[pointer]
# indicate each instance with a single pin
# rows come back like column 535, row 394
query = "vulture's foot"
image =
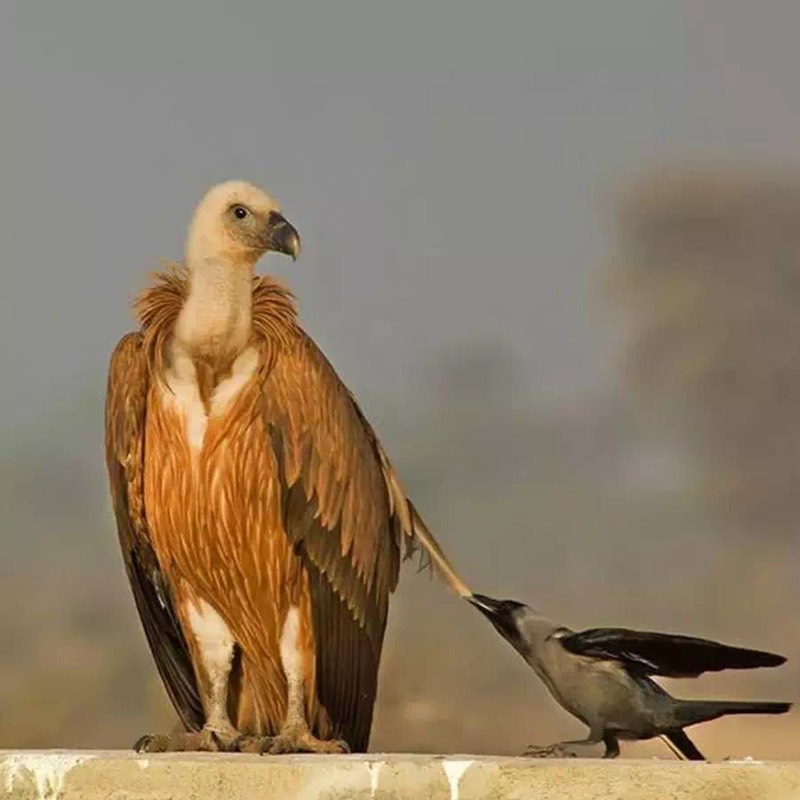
column 557, row 750
column 291, row 740
column 206, row 740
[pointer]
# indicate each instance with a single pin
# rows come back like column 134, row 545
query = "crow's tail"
column 690, row 712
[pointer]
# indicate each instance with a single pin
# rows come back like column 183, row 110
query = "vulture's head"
column 236, row 223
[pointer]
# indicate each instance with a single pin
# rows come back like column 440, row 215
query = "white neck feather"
column 217, row 315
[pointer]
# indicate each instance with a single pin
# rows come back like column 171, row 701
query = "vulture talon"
column 308, row 744
column 204, row 741
column 255, row 745
column 296, row 740
column 147, row 744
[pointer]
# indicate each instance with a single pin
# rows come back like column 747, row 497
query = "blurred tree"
column 709, row 270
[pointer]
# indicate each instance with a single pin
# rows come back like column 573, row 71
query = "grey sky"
column 442, row 161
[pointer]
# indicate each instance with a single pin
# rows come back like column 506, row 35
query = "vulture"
column 261, row 523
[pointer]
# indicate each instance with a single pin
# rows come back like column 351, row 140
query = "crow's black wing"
column 667, row 654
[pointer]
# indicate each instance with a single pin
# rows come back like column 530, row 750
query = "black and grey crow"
column 603, row 677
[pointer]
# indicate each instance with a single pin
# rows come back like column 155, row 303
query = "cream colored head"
column 235, row 224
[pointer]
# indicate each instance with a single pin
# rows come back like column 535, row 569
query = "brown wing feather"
column 126, row 402
column 346, row 526
column 347, row 652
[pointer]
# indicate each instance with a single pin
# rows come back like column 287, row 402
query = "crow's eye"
column 240, row 212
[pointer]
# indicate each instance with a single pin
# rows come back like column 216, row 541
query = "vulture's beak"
column 283, row 236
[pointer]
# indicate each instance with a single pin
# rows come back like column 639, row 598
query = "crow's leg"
column 561, row 749
column 685, row 745
column 612, row 745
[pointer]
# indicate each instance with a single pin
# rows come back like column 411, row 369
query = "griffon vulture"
column 260, row 520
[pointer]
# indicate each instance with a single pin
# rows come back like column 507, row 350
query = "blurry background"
column 554, row 248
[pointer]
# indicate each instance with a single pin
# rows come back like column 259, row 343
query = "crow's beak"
column 500, row 613
column 487, row 605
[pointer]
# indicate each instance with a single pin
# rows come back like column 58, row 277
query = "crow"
column 603, row 677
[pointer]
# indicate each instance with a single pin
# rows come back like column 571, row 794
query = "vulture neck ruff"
column 271, row 325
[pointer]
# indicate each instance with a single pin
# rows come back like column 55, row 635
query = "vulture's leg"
column 214, row 649
column 295, row 735
column 562, row 749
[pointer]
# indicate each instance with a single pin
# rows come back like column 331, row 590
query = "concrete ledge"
column 119, row 775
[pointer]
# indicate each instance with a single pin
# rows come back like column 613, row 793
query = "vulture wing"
column 347, row 516
column 666, row 654
column 126, row 407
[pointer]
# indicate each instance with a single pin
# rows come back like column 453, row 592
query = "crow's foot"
column 548, row 751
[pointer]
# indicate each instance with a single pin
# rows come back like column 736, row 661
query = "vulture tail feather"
column 433, row 554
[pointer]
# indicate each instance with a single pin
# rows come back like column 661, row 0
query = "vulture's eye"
column 240, row 212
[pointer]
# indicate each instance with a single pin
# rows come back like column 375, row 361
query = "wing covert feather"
column 326, row 449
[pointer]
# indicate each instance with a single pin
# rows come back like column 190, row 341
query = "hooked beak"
column 283, row 236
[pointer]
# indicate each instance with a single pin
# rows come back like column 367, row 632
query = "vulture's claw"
column 194, row 741
column 291, row 741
